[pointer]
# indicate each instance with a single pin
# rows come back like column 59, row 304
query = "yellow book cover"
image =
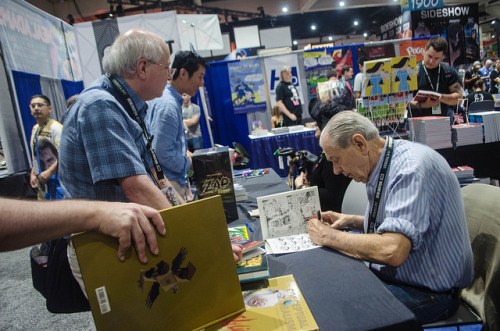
column 191, row 284
column 377, row 77
column 403, row 74
column 279, row 306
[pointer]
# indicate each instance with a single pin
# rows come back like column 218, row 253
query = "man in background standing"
column 359, row 78
column 347, row 73
column 485, row 73
column 472, row 75
column 191, row 116
column 46, row 132
column 288, row 99
column 495, row 78
column 165, row 119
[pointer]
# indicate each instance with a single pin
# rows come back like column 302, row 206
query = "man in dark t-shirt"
column 479, row 93
column 288, row 99
column 434, row 75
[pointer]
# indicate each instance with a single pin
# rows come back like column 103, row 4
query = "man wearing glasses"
column 166, row 122
column 46, row 132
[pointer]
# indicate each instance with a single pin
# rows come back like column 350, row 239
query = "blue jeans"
column 427, row 305
column 195, row 143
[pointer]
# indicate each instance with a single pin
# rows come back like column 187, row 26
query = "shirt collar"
column 174, row 93
column 373, row 179
column 139, row 103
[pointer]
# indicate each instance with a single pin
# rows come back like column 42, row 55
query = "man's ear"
column 141, row 67
column 359, row 142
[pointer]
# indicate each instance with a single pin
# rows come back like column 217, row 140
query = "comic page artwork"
column 284, row 218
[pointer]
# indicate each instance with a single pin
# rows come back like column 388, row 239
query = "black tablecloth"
column 342, row 293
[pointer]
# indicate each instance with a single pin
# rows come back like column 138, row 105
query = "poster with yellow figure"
column 377, row 77
column 403, row 74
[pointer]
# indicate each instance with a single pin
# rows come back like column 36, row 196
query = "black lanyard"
column 429, row 79
column 380, row 185
column 129, row 105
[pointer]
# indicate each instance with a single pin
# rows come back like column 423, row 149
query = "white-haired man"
column 414, row 233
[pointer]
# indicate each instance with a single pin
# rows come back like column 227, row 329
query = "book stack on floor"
column 434, row 131
column 491, row 124
column 467, row 134
column 278, row 305
column 465, row 175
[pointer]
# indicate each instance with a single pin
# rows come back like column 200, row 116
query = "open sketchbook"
column 284, row 217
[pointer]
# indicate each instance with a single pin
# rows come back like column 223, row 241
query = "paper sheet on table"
column 289, row 244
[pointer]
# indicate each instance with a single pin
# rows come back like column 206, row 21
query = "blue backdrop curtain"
column 71, row 88
column 227, row 127
column 26, row 85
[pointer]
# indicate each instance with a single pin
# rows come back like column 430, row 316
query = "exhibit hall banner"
column 413, row 47
column 376, row 52
column 273, row 67
column 458, row 25
column 247, row 86
column 36, row 42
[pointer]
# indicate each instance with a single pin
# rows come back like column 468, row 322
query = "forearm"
column 192, row 121
column 25, row 223
column 140, row 189
column 451, row 99
column 387, row 248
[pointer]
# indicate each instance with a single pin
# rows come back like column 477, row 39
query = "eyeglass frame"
column 171, row 71
column 39, row 104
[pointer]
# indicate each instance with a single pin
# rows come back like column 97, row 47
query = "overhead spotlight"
column 493, row 36
column 341, row 3
column 330, row 38
column 356, row 22
column 284, row 9
column 111, row 9
column 365, row 34
column 295, row 42
column 313, row 27
column 493, row 22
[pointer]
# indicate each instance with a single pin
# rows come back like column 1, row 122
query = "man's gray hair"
column 121, row 58
column 346, row 124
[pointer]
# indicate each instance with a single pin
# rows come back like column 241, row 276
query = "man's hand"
column 318, row 231
column 301, row 180
column 44, row 176
column 33, row 180
column 292, row 117
column 429, row 103
column 130, row 222
column 237, row 252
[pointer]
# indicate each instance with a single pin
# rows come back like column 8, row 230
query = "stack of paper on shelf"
column 491, row 124
column 465, row 175
column 277, row 306
column 191, row 284
column 434, row 131
column 467, row 134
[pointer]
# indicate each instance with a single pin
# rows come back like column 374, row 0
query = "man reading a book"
column 414, row 233
column 437, row 76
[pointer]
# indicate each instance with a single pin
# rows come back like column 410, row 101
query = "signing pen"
column 248, row 226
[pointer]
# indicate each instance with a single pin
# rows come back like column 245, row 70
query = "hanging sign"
column 414, row 5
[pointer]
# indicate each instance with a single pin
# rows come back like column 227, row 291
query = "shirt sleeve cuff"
column 403, row 227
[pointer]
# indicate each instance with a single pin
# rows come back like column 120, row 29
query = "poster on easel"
column 247, row 86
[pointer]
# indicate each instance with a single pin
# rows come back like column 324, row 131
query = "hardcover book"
column 403, row 74
column 191, row 284
column 377, row 77
column 423, row 95
column 278, row 306
column 213, row 175
column 253, row 269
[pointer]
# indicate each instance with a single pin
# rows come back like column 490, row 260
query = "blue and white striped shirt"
column 422, row 200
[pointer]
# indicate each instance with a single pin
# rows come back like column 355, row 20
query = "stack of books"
column 467, row 134
column 253, row 264
column 434, row 131
column 465, row 175
column 491, row 124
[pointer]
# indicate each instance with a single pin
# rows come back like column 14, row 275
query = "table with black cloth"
column 261, row 149
column 341, row 292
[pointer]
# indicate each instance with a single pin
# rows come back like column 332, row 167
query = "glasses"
column 39, row 104
column 171, row 71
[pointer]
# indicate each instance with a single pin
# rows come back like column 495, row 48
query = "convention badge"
column 436, row 110
column 295, row 101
